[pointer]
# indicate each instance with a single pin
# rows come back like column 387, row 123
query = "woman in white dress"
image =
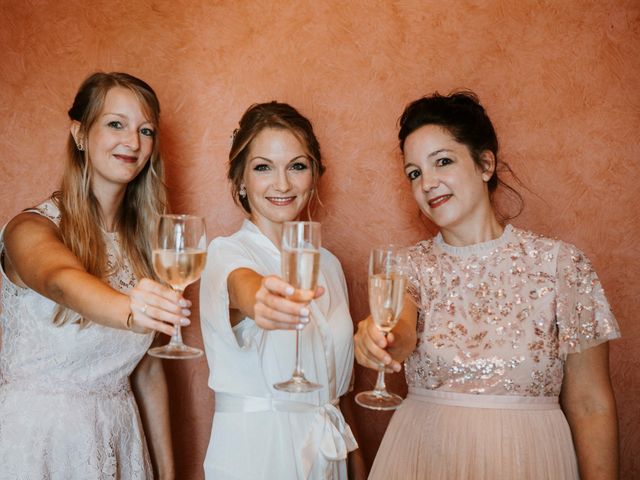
column 248, row 323
column 507, row 321
column 78, row 314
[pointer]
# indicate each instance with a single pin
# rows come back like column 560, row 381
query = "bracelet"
column 129, row 322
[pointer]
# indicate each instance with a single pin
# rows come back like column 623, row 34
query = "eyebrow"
column 271, row 161
column 122, row 115
column 437, row 152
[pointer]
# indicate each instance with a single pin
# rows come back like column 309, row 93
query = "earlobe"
column 75, row 133
column 488, row 165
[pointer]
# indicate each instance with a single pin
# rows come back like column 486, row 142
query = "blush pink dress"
column 497, row 321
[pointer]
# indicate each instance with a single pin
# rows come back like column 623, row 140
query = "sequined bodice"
column 499, row 317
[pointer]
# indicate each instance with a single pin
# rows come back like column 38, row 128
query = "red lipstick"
column 439, row 200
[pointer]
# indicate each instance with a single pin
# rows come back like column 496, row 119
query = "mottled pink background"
column 561, row 80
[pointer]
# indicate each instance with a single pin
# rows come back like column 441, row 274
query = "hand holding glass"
column 179, row 255
column 300, row 265
column 387, row 282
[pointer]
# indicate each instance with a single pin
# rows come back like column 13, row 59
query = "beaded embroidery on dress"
column 66, row 406
column 497, row 320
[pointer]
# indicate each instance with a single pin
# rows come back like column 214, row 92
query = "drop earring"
column 243, row 192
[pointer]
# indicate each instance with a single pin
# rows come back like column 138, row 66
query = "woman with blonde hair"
column 79, row 306
column 248, row 318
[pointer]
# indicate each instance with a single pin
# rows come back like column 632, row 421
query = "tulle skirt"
column 449, row 436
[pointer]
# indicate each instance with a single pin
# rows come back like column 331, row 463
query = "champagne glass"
column 387, row 281
column 300, row 265
column 179, row 254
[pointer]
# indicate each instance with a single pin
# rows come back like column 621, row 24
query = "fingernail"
column 304, row 320
column 186, row 312
column 289, row 291
column 387, row 360
column 184, row 303
column 396, row 368
column 185, row 321
column 304, row 312
column 382, row 345
column 300, row 326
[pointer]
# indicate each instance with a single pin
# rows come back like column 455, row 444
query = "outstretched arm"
column 589, row 404
column 36, row 257
column 265, row 300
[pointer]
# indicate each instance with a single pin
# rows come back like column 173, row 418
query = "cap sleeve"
column 224, row 255
column 414, row 261
column 583, row 313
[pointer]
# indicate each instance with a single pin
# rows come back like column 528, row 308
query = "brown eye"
column 413, row 174
column 441, row 162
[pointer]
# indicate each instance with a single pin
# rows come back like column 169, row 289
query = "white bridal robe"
column 260, row 432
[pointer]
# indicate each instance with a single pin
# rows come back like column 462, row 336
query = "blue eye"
column 412, row 174
column 299, row 166
column 147, row 132
column 115, row 124
column 441, row 162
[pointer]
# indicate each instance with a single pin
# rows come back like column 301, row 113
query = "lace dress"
column 496, row 323
column 66, row 406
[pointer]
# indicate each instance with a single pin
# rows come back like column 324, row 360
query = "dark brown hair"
column 461, row 114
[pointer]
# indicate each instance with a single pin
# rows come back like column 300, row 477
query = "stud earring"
column 80, row 146
column 243, row 192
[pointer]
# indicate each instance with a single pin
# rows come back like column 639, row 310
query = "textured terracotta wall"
column 560, row 79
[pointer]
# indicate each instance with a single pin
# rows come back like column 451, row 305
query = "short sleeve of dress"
column 414, row 260
column 224, row 255
column 583, row 313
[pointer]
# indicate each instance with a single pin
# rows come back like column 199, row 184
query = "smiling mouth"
column 126, row 158
column 281, row 201
column 439, row 200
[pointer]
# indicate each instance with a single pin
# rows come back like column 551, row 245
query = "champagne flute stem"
column 381, row 387
column 298, row 373
column 176, row 338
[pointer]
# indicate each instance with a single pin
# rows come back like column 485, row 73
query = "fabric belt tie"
column 500, row 402
column 329, row 433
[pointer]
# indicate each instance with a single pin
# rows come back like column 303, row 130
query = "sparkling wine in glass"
column 179, row 255
column 300, row 265
column 387, row 283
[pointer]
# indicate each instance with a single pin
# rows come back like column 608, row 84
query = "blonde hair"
column 144, row 199
column 278, row 116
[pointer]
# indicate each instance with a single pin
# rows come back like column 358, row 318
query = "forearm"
column 404, row 341
column 589, row 404
column 88, row 296
column 242, row 285
column 150, row 388
column 595, row 436
column 405, row 335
